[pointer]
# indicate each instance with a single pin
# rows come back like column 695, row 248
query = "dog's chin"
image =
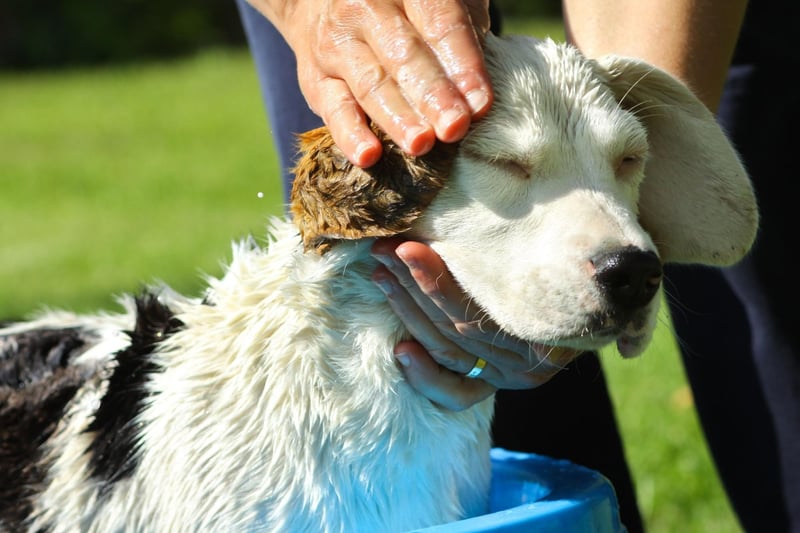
column 629, row 347
column 628, row 344
column 631, row 334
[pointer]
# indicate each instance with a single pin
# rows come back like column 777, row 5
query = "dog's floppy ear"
column 333, row 199
column 696, row 200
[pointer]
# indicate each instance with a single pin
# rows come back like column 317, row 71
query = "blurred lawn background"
column 117, row 176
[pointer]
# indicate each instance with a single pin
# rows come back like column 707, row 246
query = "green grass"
column 111, row 178
column 108, row 176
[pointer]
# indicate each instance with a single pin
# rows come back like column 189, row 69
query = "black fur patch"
column 36, row 383
column 32, row 356
column 114, row 448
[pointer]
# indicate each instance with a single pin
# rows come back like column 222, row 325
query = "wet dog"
column 273, row 400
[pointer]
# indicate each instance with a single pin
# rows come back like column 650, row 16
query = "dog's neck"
column 331, row 320
column 320, row 320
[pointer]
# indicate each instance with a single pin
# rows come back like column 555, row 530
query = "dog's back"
column 274, row 403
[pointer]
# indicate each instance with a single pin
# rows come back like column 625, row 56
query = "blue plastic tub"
column 536, row 494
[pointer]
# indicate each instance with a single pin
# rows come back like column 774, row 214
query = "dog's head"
column 556, row 212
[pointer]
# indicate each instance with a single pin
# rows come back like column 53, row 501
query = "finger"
column 427, row 324
column 385, row 250
column 422, row 80
column 419, row 325
column 331, row 99
column 557, row 357
column 439, row 385
column 450, row 28
column 345, row 93
column 439, row 287
column 377, row 92
column 452, row 390
column 368, row 72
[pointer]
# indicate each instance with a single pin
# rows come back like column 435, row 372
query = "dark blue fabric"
column 738, row 327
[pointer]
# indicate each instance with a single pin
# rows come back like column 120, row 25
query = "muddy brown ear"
column 696, row 200
column 333, row 199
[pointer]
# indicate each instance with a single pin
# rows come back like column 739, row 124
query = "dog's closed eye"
column 629, row 166
column 512, row 165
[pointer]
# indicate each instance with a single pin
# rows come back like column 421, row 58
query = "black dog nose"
column 628, row 276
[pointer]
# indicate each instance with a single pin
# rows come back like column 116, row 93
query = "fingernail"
column 404, row 359
column 410, row 261
column 417, row 141
column 386, row 286
column 451, row 123
column 363, row 157
column 477, row 100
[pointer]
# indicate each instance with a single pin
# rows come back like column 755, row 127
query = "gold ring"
column 480, row 364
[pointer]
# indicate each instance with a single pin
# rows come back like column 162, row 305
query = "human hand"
column 450, row 334
column 415, row 67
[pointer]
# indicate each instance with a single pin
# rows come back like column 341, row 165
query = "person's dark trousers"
column 738, row 327
column 569, row 418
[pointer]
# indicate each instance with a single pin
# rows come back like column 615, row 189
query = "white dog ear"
column 696, row 200
column 333, row 199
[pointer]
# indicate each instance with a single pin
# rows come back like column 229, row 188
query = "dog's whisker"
column 467, row 300
column 676, row 306
column 633, row 86
column 545, row 359
column 638, row 105
column 644, row 112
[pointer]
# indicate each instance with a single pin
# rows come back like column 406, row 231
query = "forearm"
column 691, row 39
